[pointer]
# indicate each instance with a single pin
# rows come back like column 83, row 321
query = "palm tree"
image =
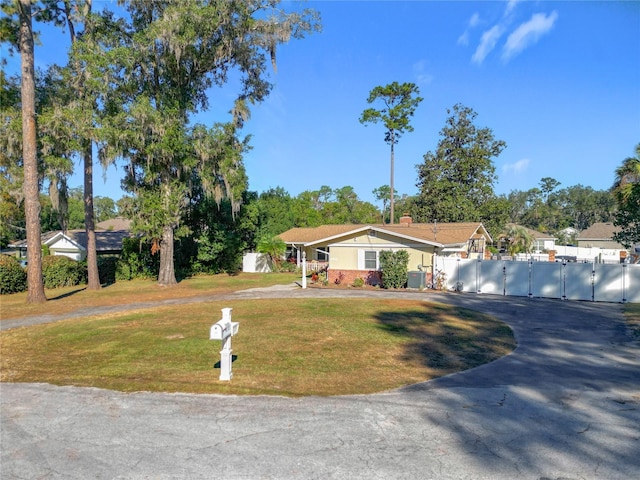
column 518, row 239
column 626, row 175
column 274, row 248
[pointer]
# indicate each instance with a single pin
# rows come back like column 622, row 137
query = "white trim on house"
column 55, row 239
column 373, row 246
column 409, row 237
column 339, row 235
column 458, row 249
column 367, row 228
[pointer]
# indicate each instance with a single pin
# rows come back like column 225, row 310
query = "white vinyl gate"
column 597, row 282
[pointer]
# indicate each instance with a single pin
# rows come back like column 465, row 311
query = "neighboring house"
column 541, row 241
column 599, row 235
column 73, row 243
column 352, row 251
column 115, row 224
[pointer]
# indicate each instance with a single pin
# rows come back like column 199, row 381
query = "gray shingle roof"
column 599, row 231
column 118, row 223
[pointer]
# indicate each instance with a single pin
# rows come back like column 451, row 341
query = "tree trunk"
column 93, row 280
column 30, row 160
column 391, row 180
column 166, row 276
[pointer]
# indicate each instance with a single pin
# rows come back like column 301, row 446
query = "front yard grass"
column 285, row 347
column 632, row 315
column 68, row 299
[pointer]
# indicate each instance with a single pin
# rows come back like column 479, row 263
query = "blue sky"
column 559, row 82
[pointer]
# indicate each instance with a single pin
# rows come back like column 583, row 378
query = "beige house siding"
column 350, row 257
column 347, row 244
column 347, row 257
column 601, row 243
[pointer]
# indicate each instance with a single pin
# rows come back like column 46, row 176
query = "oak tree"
column 456, row 181
column 168, row 56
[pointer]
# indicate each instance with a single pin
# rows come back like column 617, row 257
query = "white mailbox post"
column 223, row 330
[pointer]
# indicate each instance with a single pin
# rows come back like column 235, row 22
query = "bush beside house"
column 60, row 271
column 13, row 278
column 394, row 266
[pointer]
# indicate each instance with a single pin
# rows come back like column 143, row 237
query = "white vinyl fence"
column 568, row 281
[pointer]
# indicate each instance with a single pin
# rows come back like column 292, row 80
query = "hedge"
column 60, row 271
column 13, row 278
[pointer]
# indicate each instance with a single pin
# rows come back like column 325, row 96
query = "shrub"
column 13, row 278
column 358, row 282
column 107, row 269
column 60, row 271
column 441, row 280
column 137, row 261
column 395, row 268
column 286, row 267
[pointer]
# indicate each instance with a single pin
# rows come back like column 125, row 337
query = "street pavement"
column 565, row 405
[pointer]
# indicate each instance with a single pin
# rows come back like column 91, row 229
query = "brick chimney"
column 406, row 219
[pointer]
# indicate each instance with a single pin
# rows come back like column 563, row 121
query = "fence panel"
column 491, row 278
column 448, row 265
column 578, row 281
column 546, row 280
column 632, row 283
column 468, row 274
column 517, row 278
column 608, row 283
column 573, row 281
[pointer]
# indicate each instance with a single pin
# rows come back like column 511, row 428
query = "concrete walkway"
column 564, row 405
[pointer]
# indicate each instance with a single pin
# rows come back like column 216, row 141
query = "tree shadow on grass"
column 448, row 339
column 67, row 294
column 568, row 395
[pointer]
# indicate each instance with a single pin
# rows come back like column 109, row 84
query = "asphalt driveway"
column 564, row 405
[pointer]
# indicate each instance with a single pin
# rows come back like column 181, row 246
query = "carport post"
column 304, row 269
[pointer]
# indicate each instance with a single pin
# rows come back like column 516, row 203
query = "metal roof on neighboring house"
column 106, row 240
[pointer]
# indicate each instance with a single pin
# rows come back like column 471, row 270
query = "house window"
column 323, row 254
column 370, row 260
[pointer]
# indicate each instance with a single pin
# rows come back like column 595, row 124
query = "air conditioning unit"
column 417, row 279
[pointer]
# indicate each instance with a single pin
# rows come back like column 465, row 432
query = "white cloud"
column 511, row 4
column 473, row 21
column 487, row 43
column 516, row 167
column 528, row 33
column 464, row 38
column 422, row 78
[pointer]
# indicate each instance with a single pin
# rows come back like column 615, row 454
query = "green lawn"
column 286, row 347
column 65, row 300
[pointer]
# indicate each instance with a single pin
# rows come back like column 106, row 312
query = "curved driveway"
column 564, row 405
